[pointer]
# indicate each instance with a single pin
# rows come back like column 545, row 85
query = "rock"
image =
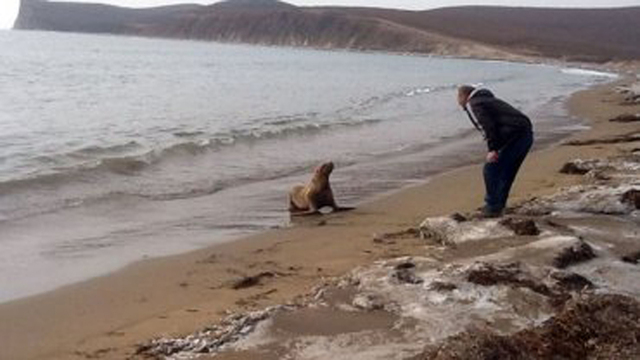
column 632, row 197
column 572, row 281
column 486, row 274
column 405, row 266
column 521, row 227
column 626, row 118
column 250, row 281
column 574, row 168
column 406, row 276
column 577, row 253
column 633, row 258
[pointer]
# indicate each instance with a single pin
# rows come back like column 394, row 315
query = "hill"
column 594, row 35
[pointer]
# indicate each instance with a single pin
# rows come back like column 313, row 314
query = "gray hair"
column 465, row 90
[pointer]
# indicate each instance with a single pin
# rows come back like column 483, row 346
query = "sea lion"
column 309, row 199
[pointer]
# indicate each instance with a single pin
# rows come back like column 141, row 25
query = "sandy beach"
column 108, row 317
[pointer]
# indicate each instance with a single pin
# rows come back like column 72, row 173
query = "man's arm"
column 486, row 119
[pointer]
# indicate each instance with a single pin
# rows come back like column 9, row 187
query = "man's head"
column 463, row 94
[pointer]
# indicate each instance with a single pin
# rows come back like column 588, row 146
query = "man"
column 509, row 136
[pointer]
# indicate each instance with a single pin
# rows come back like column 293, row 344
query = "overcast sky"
column 9, row 8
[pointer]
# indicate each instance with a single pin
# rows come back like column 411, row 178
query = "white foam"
column 366, row 345
column 585, row 199
column 449, row 231
column 444, row 313
column 611, row 275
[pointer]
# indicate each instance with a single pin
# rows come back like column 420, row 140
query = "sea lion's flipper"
column 343, row 208
column 306, row 213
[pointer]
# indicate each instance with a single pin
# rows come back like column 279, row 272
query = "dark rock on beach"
column 575, row 254
column 405, row 274
column 632, row 197
column 572, row 281
column 521, row 227
column 633, row 258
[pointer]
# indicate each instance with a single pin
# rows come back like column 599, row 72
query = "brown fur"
column 310, row 198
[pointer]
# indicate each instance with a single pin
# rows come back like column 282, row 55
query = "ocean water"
column 116, row 149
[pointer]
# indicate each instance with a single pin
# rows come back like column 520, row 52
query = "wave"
column 107, row 150
column 587, row 72
column 123, row 166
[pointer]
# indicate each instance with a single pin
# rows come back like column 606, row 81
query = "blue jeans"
column 499, row 176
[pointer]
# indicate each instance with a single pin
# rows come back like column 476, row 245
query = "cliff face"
column 590, row 35
column 94, row 18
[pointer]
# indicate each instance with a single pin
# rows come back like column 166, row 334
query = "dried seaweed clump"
column 486, row 274
column 594, row 327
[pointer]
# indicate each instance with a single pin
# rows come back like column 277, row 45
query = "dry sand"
column 106, row 317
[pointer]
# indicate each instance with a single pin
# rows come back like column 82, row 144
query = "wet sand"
column 107, row 317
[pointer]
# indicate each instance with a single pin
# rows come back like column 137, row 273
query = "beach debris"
column 631, row 99
column 535, row 207
column 626, row 118
column 368, row 302
column 632, row 197
column 521, row 227
column 619, row 139
column 441, row 286
column 591, row 327
column 459, row 217
column 579, row 252
column 632, row 258
column 211, row 339
column 410, row 233
column 487, row 274
column 250, row 281
column 405, row 274
column 575, row 167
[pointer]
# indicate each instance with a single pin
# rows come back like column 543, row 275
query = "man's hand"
column 492, row 156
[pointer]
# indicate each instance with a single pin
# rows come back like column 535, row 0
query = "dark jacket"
column 499, row 121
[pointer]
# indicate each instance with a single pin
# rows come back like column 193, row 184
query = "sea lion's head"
column 325, row 169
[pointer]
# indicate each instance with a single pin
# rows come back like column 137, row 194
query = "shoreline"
column 552, row 135
column 182, row 293
column 161, row 242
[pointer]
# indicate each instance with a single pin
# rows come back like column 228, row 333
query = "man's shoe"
column 484, row 213
column 487, row 214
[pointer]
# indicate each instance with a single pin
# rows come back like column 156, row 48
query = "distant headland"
column 586, row 35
